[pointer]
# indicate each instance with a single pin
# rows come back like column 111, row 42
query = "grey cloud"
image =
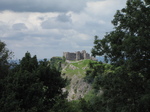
column 92, row 24
column 12, row 35
column 62, row 21
column 64, row 18
column 42, row 5
column 3, row 26
column 95, row 27
column 41, row 18
column 19, row 26
column 47, row 35
column 53, row 24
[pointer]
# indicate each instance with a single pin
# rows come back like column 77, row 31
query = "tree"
column 32, row 86
column 5, row 55
column 129, row 43
column 127, row 87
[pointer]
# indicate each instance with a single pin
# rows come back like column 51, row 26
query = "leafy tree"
column 127, row 86
column 129, row 43
column 28, row 63
column 32, row 86
column 5, row 55
column 57, row 62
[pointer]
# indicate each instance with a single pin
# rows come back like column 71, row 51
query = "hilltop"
column 75, row 71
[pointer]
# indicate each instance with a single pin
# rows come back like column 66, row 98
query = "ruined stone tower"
column 78, row 55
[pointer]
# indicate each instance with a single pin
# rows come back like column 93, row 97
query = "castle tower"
column 66, row 55
column 78, row 55
column 84, row 54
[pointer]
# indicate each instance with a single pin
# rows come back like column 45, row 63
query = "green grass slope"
column 76, row 68
column 75, row 71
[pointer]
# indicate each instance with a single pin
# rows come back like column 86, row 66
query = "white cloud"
column 48, row 34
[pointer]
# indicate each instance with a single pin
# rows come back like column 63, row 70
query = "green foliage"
column 28, row 63
column 56, row 62
column 126, row 81
column 5, row 55
column 130, row 39
column 77, row 68
column 90, row 95
column 65, row 106
column 96, row 68
column 32, row 86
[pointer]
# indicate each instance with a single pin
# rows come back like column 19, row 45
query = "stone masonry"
column 76, row 55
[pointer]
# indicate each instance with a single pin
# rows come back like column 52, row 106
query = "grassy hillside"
column 76, row 68
column 75, row 71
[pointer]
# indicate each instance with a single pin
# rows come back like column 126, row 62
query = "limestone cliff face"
column 78, row 88
column 75, row 71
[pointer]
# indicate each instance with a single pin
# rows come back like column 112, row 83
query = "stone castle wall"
column 76, row 55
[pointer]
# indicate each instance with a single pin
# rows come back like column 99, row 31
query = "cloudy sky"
column 46, row 28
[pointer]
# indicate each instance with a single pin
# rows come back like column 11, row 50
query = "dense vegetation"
column 122, row 84
column 56, row 62
column 29, row 86
column 125, row 83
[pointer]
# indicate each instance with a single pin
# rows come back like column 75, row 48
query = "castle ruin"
column 76, row 55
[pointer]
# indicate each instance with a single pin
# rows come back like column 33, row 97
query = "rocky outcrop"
column 77, row 87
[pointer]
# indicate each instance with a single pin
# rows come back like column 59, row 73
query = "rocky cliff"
column 75, row 71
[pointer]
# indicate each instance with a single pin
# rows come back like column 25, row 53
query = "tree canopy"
column 31, row 86
column 126, row 84
column 5, row 55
